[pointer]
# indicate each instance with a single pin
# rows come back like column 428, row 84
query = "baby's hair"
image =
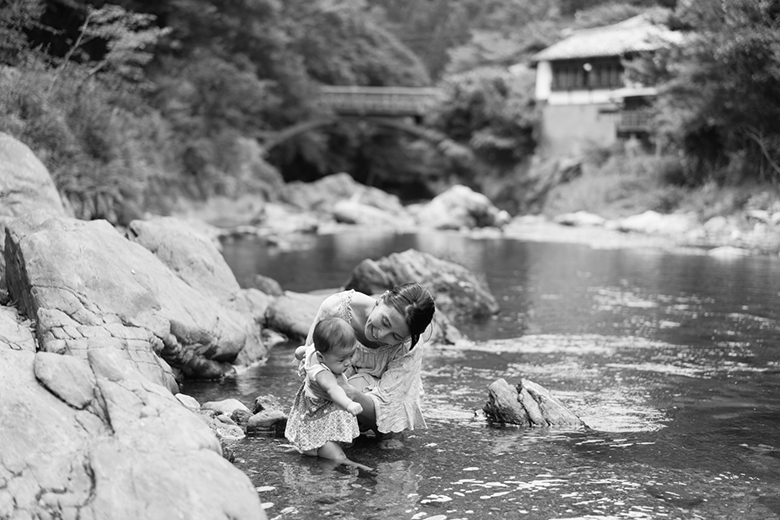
column 415, row 304
column 331, row 333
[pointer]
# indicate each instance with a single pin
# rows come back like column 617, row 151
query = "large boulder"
column 461, row 207
column 89, row 288
column 457, row 290
column 25, row 186
column 323, row 194
column 87, row 438
column 293, row 313
column 25, row 183
column 351, row 211
column 195, row 258
column 652, row 222
column 190, row 254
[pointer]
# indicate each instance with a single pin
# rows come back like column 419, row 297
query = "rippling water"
column 671, row 360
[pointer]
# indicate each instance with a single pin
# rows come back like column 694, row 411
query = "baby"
column 322, row 415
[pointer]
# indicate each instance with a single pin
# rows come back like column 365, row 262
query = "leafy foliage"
column 16, row 17
column 493, row 111
column 341, row 45
column 720, row 107
column 120, row 99
column 128, row 37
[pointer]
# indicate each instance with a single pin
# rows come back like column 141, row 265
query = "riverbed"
column 669, row 357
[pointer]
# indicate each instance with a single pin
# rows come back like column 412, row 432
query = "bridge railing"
column 379, row 101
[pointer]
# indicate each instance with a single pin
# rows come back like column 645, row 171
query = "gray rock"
column 266, row 402
column 25, row 183
column 240, row 417
column 90, row 288
column 457, row 291
column 293, row 313
column 461, row 207
column 225, row 406
column 123, row 461
column 190, row 254
column 25, row 186
column 267, row 285
column 194, row 257
column 188, row 401
column 322, row 195
column 17, row 333
column 527, row 404
column 68, row 378
column 351, row 211
column 267, row 421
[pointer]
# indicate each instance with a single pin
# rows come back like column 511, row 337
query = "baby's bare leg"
column 331, row 450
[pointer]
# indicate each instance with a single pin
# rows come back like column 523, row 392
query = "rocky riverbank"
column 337, row 204
column 98, row 325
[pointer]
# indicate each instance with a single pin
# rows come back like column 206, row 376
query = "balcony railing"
column 634, row 121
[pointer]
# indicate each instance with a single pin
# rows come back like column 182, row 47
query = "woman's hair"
column 331, row 333
column 415, row 304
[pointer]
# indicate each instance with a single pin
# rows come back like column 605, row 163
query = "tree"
column 17, row 17
column 492, row 110
column 128, row 39
column 721, row 108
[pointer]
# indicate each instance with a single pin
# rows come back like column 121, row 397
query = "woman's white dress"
column 390, row 375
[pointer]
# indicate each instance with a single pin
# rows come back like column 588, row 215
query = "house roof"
column 636, row 34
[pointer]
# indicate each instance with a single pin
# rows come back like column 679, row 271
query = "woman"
column 385, row 377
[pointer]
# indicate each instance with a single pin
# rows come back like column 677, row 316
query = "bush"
column 100, row 156
column 620, row 186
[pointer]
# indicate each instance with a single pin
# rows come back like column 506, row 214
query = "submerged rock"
column 527, row 404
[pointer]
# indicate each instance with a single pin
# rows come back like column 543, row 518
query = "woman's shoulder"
column 331, row 304
column 345, row 303
column 362, row 300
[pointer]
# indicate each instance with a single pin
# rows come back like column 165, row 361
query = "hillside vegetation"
column 132, row 105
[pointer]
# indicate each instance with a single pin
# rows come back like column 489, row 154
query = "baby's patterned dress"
column 314, row 419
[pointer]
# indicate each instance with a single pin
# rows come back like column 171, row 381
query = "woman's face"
column 386, row 326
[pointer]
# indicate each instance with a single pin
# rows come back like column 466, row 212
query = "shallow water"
column 671, row 360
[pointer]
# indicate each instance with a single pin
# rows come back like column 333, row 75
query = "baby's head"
column 335, row 343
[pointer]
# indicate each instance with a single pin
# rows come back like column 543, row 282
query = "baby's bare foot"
column 360, row 466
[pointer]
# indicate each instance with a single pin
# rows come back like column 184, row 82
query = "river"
column 672, row 360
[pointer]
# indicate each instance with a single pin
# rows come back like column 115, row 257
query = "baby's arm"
column 337, row 393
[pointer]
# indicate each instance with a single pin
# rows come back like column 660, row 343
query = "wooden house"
column 582, row 88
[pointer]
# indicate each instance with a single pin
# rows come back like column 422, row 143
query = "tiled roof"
column 633, row 35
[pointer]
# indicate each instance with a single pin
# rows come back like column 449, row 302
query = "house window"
column 587, row 74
